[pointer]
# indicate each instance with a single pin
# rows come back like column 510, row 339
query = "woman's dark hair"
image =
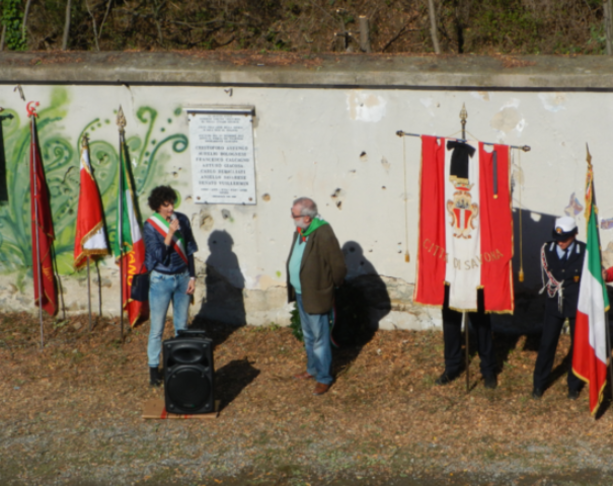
column 161, row 195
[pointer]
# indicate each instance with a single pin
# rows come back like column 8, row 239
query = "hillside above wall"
column 581, row 73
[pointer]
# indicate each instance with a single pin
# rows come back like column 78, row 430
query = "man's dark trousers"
column 547, row 352
column 452, row 337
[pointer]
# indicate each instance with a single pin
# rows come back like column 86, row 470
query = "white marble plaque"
column 223, row 164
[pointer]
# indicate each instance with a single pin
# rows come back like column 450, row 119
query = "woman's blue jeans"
column 316, row 332
column 162, row 289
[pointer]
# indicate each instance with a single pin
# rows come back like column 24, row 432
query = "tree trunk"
column 433, row 30
column 66, row 26
column 608, row 11
column 2, row 37
column 25, row 19
column 364, row 34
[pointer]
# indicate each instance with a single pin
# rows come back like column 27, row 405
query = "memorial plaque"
column 223, row 165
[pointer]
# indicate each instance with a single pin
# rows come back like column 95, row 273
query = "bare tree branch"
column 66, row 25
column 106, row 14
column 94, row 24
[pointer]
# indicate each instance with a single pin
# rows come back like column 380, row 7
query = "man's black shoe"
column 154, row 377
column 445, row 378
column 537, row 393
column 573, row 394
column 491, row 382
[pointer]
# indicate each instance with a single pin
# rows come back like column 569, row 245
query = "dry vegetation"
column 71, row 415
column 309, row 26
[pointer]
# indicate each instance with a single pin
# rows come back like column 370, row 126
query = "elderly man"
column 561, row 262
column 315, row 266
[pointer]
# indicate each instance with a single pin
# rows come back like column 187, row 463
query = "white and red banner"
column 465, row 225
column 90, row 237
column 590, row 356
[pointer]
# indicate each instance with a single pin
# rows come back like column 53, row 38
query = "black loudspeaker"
column 188, row 373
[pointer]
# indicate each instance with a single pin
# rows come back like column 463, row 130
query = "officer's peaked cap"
column 564, row 228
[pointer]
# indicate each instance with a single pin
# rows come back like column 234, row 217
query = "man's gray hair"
column 307, row 206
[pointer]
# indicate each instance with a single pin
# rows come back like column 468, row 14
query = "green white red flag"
column 90, row 237
column 42, row 229
column 128, row 244
column 590, row 355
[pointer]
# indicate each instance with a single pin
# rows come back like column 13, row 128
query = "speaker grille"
column 188, row 388
column 188, row 353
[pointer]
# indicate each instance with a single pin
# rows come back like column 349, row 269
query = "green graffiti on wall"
column 60, row 155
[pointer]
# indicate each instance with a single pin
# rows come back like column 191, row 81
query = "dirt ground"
column 71, row 414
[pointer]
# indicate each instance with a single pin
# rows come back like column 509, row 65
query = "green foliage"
column 12, row 18
column 295, row 325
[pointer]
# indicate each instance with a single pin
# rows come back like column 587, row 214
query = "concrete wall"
column 333, row 141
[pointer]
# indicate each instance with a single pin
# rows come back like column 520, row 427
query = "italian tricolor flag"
column 590, row 356
column 129, row 245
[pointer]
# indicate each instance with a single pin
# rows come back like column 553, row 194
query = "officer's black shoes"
column 573, row 394
column 490, row 382
column 537, row 393
column 154, row 376
column 445, row 378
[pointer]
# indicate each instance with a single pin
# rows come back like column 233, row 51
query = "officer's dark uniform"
column 567, row 270
column 452, row 337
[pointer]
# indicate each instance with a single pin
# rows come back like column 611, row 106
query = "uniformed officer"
column 561, row 264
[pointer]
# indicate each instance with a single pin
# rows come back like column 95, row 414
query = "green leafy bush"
column 12, row 18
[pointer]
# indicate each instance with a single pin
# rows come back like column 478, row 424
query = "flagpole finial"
column 463, row 117
column 463, row 113
column 121, row 120
column 84, row 140
column 588, row 156
column 31, row 110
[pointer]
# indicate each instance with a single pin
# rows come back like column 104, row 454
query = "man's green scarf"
column 315, row 224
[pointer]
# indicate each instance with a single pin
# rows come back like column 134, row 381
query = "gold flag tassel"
column 407, row 258
column 520, row 174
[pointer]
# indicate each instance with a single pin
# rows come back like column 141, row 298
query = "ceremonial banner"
column 465, row 225
column 90, row 238
column 590, row 356
column 129, row 244
column 42, row 230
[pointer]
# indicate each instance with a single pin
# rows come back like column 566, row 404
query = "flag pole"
column 121, row 123
column 36, row 238
column 463, row 117
column 466, row 354
column 89, row 296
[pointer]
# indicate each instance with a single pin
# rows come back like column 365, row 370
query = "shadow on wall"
column 529, row 305
column 223, row 307
column 362, row 301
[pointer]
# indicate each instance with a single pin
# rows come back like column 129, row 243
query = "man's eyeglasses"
column 299, row 216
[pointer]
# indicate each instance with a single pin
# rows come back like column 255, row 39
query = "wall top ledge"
column 373, row 71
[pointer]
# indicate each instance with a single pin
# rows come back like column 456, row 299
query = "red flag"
column 465, row 226
column 90, row 237
column 42, row 229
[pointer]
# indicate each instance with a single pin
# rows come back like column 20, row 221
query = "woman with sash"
column 169, row 256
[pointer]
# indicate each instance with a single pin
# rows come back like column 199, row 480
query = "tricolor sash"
column 178, row 243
